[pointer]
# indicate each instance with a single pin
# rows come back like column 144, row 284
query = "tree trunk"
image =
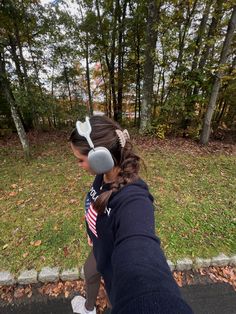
column 87, row 66
column 52, row 83
column 67, row 81
column 67, row 84
column 210, row 41
column 88, row 76
column 138, row 88
column 29, row 114
column 190, row 101
column 164, row 60
column 16, row 61
column 216, row 85
column 121, row 20
column 223, row 105
column 138, row 79
column 220, row 115
column 110, row 63
column 151, row 38
column 201, row 32
column 183, row 29
column 4, row 82
column 19, row 44
column 106, row 91
column 182, row 36
column 20, row 76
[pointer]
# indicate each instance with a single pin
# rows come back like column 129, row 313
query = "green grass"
column 42, row 212
column 195, row 201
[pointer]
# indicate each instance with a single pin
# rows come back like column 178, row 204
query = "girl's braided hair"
column 104, row 134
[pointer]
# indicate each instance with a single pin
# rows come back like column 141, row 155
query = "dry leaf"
column 12, row 193
column 29, row 295
column 36, row 243
column 66, row 294
column 20, row 240
column 20, row 202
column 66, row 251
column 19, row 293
column 43, row 258
column 72, row 201
column 27, row 289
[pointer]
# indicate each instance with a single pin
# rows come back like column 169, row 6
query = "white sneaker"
column 78, row 306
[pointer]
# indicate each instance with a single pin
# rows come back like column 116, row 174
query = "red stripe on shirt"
column 91, row 222
column 91, row 218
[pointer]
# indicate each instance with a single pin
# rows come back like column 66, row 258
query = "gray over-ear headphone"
column 99, row 158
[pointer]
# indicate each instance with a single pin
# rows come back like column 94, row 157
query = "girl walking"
column 120, row 227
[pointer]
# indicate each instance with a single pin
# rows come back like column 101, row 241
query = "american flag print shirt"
column 91, row 218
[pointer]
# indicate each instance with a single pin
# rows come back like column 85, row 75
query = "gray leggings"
column 92, row 281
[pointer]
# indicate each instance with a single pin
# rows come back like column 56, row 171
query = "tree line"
column 170, row 65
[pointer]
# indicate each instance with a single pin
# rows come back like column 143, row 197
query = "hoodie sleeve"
column 142, row 281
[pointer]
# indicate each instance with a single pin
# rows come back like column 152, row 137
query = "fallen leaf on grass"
column 20, row 202
column 12, row 193
column 66, row 251
column 43, row 258
column 20, row 240
column 5, row 246
column 36, row 243
column 72, row 201
column 160, row 179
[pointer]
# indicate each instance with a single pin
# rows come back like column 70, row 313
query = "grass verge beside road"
column 42, row 202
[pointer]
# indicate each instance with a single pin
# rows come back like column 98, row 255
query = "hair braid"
column 129, row 169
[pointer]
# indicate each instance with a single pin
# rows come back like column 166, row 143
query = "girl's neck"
column 111, row 175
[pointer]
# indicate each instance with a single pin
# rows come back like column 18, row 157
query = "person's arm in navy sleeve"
column 142, row 281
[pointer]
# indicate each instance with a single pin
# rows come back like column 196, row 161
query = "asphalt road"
column 217, row 298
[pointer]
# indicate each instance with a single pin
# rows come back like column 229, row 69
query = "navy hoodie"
column 128, row 254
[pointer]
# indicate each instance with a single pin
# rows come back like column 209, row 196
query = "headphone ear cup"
column 100, row 160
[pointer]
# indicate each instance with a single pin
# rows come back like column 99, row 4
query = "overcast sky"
column 45, row 1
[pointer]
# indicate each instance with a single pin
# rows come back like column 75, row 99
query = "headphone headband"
column 84, row 129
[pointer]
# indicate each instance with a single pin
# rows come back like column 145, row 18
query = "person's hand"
column 90, row 242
